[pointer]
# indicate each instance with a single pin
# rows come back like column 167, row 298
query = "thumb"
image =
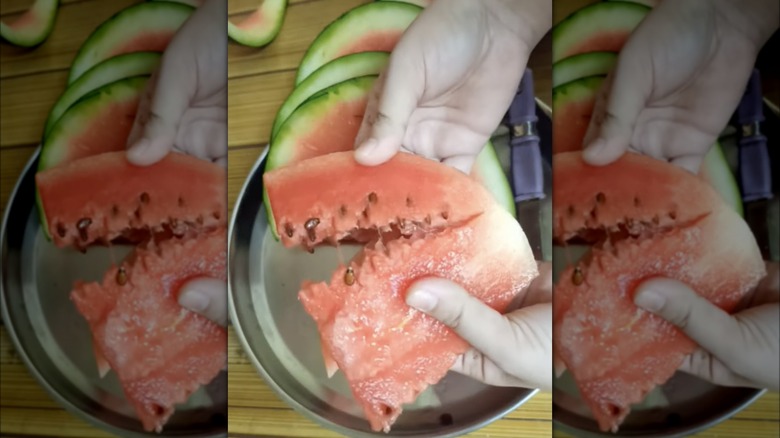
column 173, row 87
column 616, row 110
column 387, row 114
column 488, row 331
column 207, row 297
column 705, row 323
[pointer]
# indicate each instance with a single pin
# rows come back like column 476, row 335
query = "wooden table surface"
column 31, row 81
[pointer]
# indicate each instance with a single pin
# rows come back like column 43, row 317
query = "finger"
column 612, row 124
column 142, row 111
column 704, row 365
column 713, row 329
column 206, row 296
column 476, row 365
column 398, row 94
column 174, row 90
column 494, row 335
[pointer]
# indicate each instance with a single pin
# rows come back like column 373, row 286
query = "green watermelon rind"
column 106, row 72
column 192, row 3
column 89, row 103
column 306, row 115
column 333, row 72
column 376, row 16
column 494, row 178
column 572, row 91
column 583, row 65
column 126, row 22
column 592, row 19
column 28, row 36
column 420, row 3
column 647, row 3
column 261, row 37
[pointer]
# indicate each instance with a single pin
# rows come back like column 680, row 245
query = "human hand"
column 450, row 79
column 739, row 350
column 678, row 80
column 508, row 350
column 184, row 107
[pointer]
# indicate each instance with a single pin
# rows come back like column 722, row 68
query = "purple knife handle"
column 755, row 173
column 525, row 154
column 751, row 110
column 754, row 170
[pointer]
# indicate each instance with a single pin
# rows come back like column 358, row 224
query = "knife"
column 755, row 173
column 526, row 162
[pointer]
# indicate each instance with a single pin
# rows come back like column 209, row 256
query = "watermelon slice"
column 583, row 65
column 98, row 122
column 338, row 111
column 419, row 218
column 643, row 217
column 108, row 71
column 147, row 26
column 373, row 26
column 339, row 70
column 602, row 26
column 103, row 197
column 160, row 351
column 34, row 26
column 262, row 26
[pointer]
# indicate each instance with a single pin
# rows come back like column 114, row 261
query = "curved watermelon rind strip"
column 570, row 30
column 94, row 97
column 111, row 70
column 176, row 12
column 338, row 70
column 31, row 36
column 583, row 65
column 272, row 13
column 385, row 10
column 487, row 170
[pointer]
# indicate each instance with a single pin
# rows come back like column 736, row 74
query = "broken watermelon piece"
column 262, row 26
column 418, row 218
column 160, row 351
column 34, row 26
column 643, row 218
column 104, row 197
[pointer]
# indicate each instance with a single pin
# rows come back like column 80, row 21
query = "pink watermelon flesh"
column 148, row 42
column 373, row 42
column 601, row 42
column 160, row 351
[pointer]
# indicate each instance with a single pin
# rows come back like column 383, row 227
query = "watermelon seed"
column 673, row 215
column 656, row 220
column 343, row 210
column 372, row 198
column 181, row 201
column 349, row 277
column 613, row 409
column 387, row 410
column 445, row 215
column 576, row 276
column 144, row 198
column 571, row 210
column 121, row 276
column 310, row 225
column 445, row 420
column 157, row 410
column 200, row 219
column 82, row 226
column 636, row 201
column 601, row 198
column 137, row 213
column 216, row 215
column 61, row 230
column 288, row 228
column 428, row 219
column 408, row 201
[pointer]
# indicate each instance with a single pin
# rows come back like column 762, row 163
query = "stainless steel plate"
column 282, row 341
column 683, row 406
column 53, row 339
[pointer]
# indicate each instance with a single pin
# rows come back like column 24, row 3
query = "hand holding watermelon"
column 738, row 350
column 450, row 79
column 185, row 104
column 508, row 350
column 678, row 80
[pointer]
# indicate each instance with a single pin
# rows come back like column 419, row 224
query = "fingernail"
column 368, row 147
column 595, row 148
column 650, row 300
column 194, row 300
column 422, row 300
